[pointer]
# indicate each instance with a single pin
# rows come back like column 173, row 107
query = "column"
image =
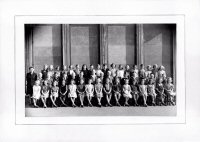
column 139, row 44
column 103, row 44
column 66, row 50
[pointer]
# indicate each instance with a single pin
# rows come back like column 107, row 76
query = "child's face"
column 152, row 76
column 98, row 67
column 117, row 80
column 81, row 82
column 51, row 67
column 37, row 83
column 64, row 67
column 107, row 80
column 63, row 82
column 77, row 66
column 92, row 67
column 72, row 82
column 90, row 81
column 160, row 80
column 45, row 83
column 169, row 80
column 45, row 67
column 54, row 83
column 84, row 67
column 31, row 70
column 127, row 67
column 126, row 81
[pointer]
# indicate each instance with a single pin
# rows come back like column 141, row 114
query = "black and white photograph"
column 100, row 69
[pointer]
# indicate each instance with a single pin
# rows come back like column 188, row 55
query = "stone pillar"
column 103, row 44
column 66, row 49
column 139, row 44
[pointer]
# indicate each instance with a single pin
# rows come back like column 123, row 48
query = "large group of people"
column 103, row 86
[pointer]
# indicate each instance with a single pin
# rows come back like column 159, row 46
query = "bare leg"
column 44, row 102
column 145, row 100
column 52, row 100
column 35, row 102
column 135, row 99
column 107, row 98
column 62, row 101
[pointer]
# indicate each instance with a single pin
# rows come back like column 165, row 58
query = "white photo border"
column 20, row 20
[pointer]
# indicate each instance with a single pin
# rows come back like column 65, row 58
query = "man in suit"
column 31, row 77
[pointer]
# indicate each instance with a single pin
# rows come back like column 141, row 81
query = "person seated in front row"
column 89, row 89
column 126, row 92
column 98, row 90
column 45, row 93
column 134, row 91
column 72, row 92
column 81, row 91
column 108, row 91
column 36, row 93
column 160, row 92
column 169, row 90
column 54, row 93
column 117, row 90
column 151, row 91
column 143, row 91
column 63, row 92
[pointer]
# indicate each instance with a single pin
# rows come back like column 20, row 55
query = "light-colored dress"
column 89, row 90
column 120, row 73
column 151, row 90
column 143, row 90
column 36, row 92
column 127, row 91
column 72, row 91
column 98, row 88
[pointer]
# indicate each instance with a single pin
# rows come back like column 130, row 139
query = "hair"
column 30, row 68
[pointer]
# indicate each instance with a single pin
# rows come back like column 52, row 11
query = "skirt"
column 55, row 94
column 72, row 95
column 45, row 95
column 89, row 94
column 99, row 95
column 36, row 96
column 127, row 94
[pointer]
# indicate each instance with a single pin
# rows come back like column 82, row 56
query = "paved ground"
column 103, row 111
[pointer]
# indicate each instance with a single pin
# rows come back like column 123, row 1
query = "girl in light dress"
column 143, row 91
column 89, row 88
column 151, row 91
column 45, row 93
column 108, row 91
column 169, row 90
column 160, row 92
column 126, row 92
column 72, row 92
column 98, row 90
column 162, row 73
column 36, row 93
column 81, row 91
column 51, row 71
column 113, row 70
column 98, row 71
column 120, row 72
column 54, row 93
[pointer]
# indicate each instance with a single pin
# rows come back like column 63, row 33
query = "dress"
column 55, row 91
column 63, row 89
column 169, row 89
column 45, row 90
column 143, row 90
column 107, row 88
column 127, row 91
column 72, row 91
column 89, row 90
column 134, row 89
column 98, row 88
column 151, row 90
column 36, row 92
column 81, row 89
